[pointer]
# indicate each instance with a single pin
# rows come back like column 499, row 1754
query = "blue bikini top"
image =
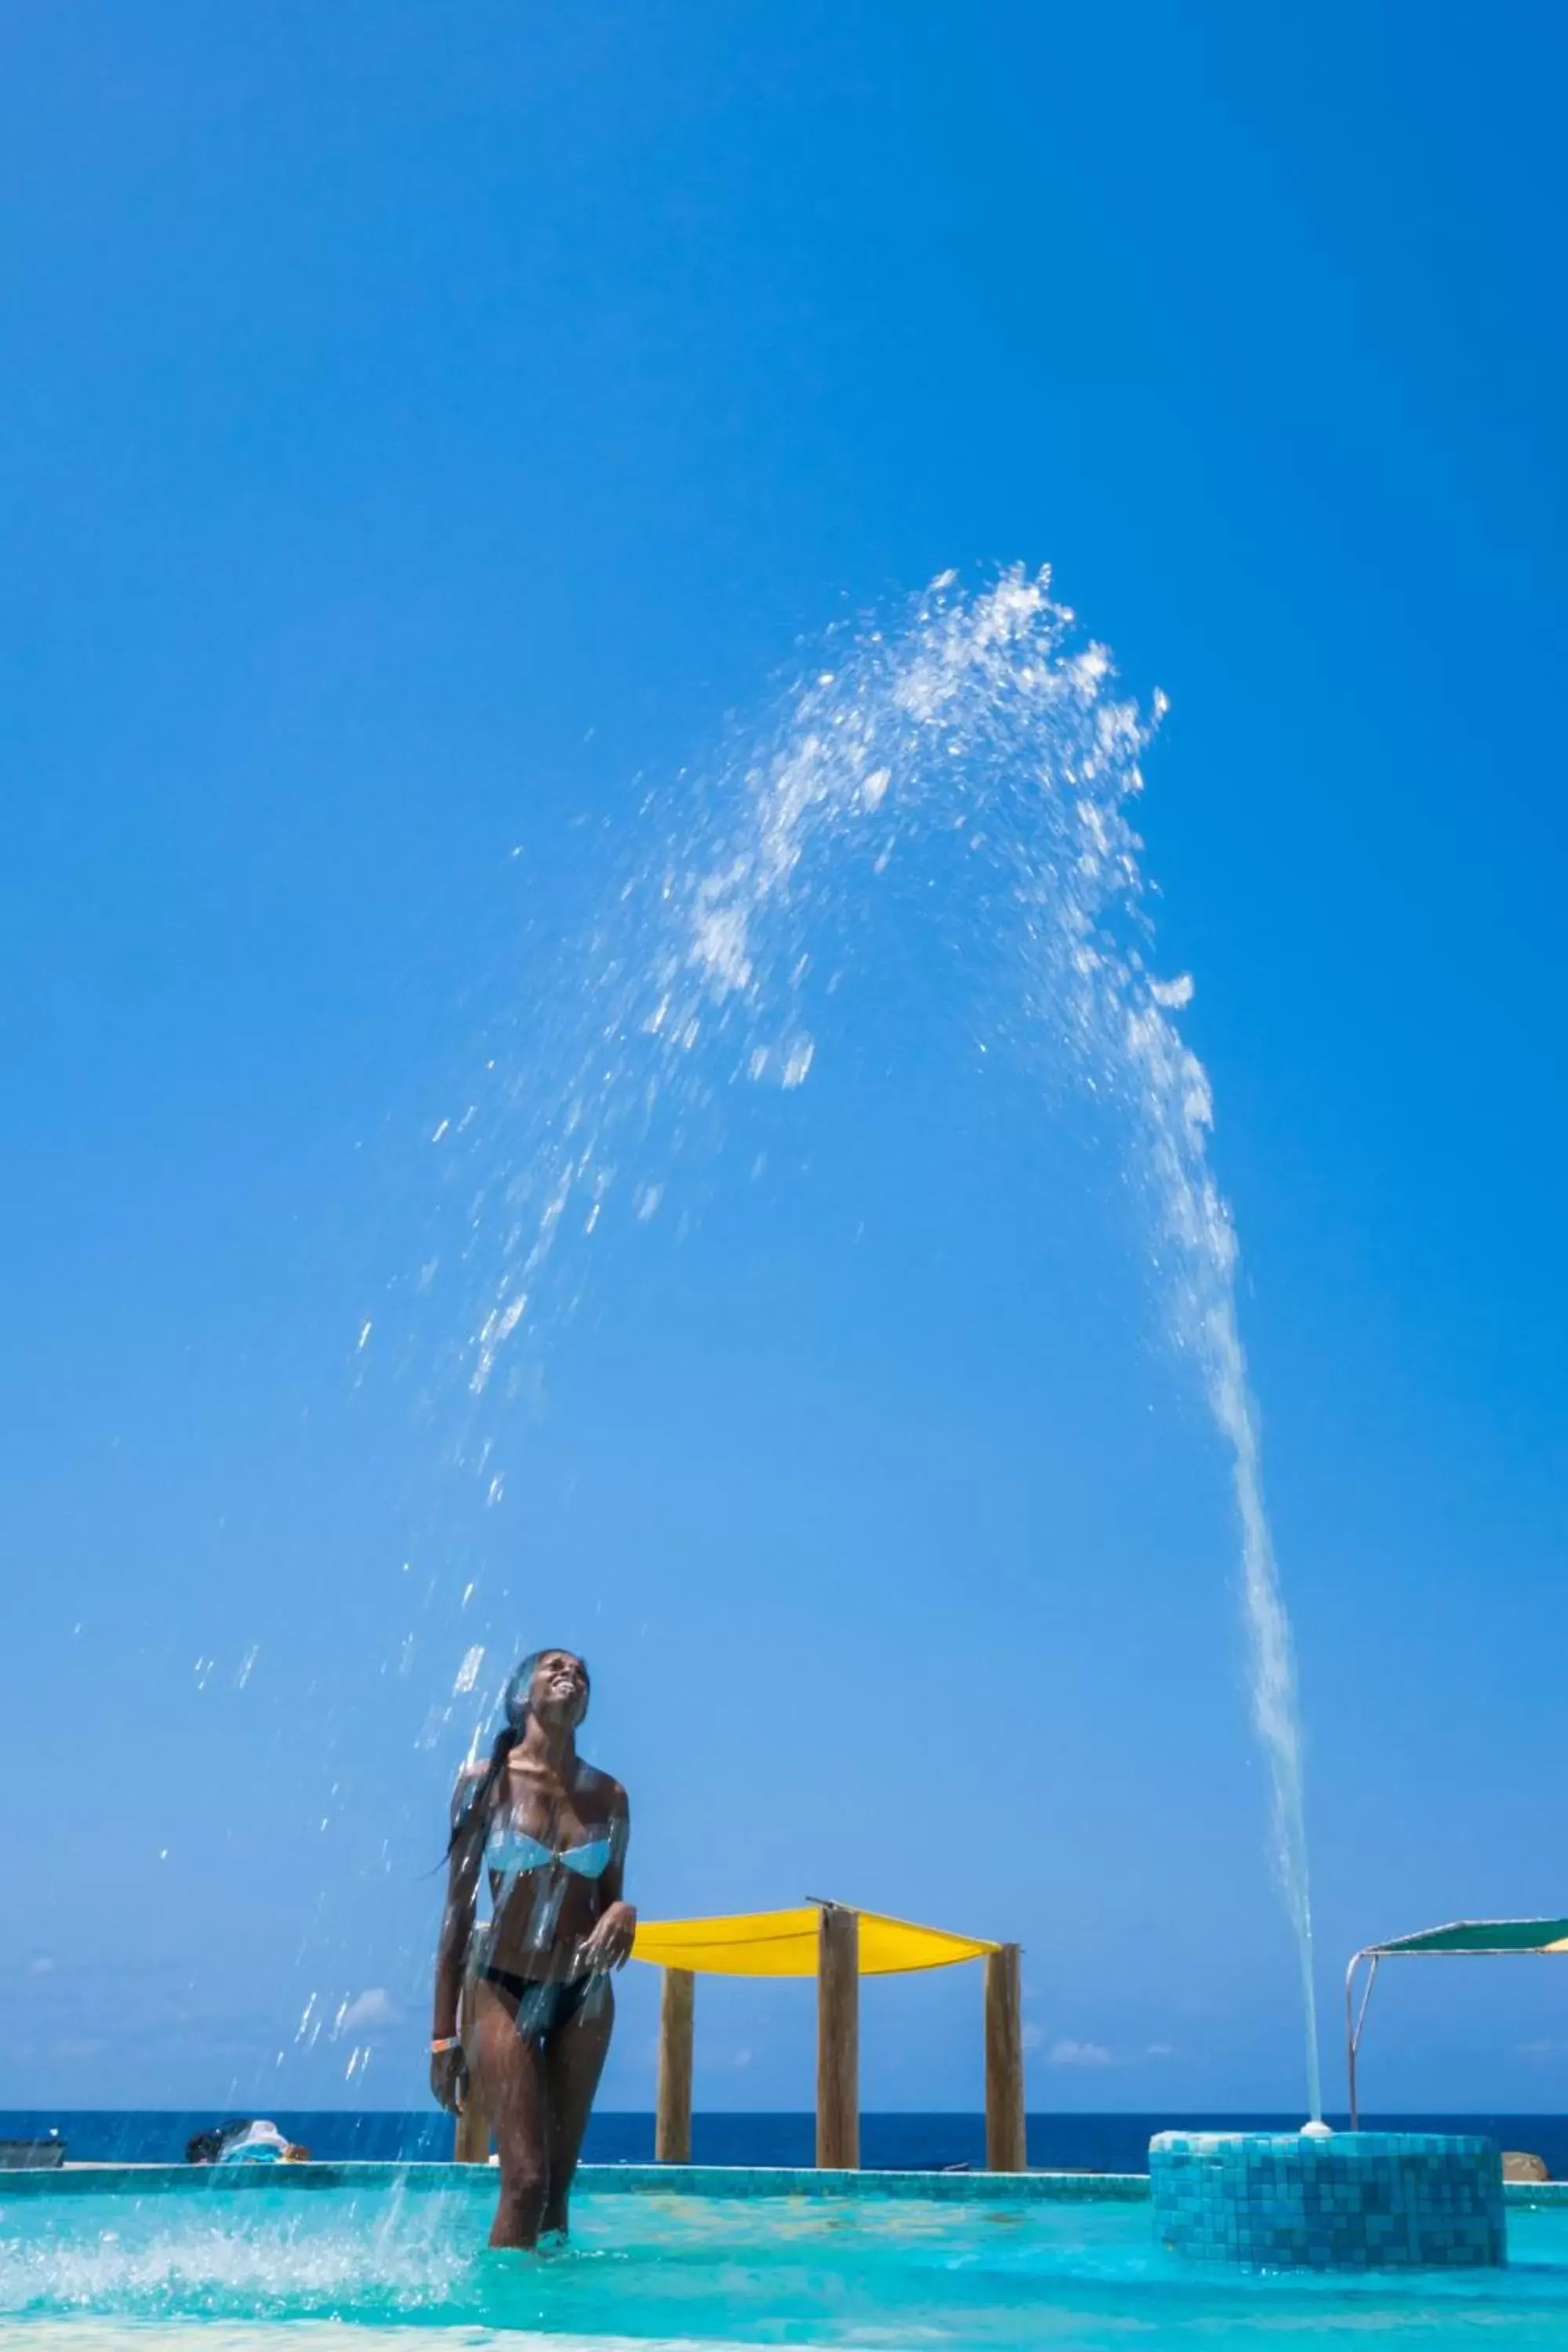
column 513, row 1853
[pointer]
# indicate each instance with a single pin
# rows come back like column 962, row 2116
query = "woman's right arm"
column 447, row 2070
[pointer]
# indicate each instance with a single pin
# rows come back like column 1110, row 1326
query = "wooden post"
column 838, row 2037
column 1005, row 2149
column 471, row 2137
column 672, row 2117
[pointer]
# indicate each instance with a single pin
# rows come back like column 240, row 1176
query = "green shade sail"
column 1480, row 1935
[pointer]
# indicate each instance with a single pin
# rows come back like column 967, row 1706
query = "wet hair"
column 478, row 1804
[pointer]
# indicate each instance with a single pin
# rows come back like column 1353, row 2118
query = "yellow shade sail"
column 783, row 1943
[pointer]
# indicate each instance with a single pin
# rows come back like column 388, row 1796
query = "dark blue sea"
column 1088, row 2143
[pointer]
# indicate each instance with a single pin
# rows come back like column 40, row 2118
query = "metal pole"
column 1355, row 2020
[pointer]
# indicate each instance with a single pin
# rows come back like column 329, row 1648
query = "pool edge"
column 658, row 2179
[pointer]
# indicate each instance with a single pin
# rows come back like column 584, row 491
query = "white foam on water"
column 226, row 2255
column 328, row 2335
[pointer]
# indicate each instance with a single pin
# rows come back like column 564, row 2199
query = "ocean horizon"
column 1107, row 2141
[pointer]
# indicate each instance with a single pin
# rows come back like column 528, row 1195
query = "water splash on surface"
column 979, row 756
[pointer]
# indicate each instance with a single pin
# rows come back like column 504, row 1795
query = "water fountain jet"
column 983, row 733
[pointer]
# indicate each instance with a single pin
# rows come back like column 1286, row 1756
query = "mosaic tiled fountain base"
column 1354, row 2200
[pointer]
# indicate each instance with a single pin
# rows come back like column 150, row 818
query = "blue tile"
column 1360, row 2201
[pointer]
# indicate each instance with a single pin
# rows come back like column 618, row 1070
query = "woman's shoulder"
column 602, row 1786
column 467, row 1790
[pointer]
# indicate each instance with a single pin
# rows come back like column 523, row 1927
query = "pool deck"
column 656, row 2180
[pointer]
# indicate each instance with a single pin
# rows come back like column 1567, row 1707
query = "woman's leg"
column 574, row 2062
column 510, row 2069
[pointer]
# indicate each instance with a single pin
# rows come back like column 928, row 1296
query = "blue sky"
column 426, row 425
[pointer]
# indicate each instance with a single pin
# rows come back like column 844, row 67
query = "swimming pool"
column 87, row 2265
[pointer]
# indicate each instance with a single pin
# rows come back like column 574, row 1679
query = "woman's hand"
column 610, row 1945
column 448, row 2078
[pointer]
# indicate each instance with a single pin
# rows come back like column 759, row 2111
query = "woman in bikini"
column 536, row 1984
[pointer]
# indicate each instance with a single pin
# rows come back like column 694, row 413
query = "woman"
column 538, row 2008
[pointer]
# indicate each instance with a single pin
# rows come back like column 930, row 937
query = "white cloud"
column 375, row 2007
column 1079, row 2053
column 1032, row 2037
column 1160, row 2050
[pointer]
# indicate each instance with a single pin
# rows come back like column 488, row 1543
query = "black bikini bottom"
column 542, row 2009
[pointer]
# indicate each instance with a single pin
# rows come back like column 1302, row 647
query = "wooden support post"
column 672, row 2117
column 838, row 2038
column 471, row 2137
column 1005, row 2149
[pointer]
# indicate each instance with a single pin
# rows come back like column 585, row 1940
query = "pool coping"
column 657, row 2179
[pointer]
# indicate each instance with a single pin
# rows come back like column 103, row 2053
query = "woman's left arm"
column 610, row 1945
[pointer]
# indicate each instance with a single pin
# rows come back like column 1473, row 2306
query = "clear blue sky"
column 423, row 422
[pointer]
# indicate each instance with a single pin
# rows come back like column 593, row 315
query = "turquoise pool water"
column 282, row 2269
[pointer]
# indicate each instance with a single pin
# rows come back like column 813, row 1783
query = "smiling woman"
column 551, row 1832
